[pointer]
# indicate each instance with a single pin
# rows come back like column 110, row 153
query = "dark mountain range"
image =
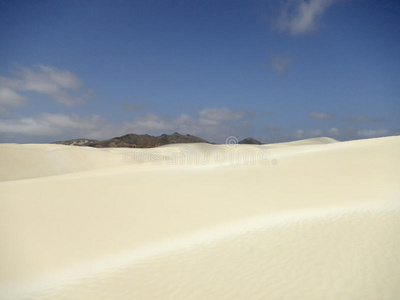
column 136, row 141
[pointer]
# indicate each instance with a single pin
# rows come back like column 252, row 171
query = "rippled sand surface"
column 313, row 219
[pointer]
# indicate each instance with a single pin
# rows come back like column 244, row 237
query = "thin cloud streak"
column 212, row 127
column 362, row 119
column 319, row 115
column 61, row 86
column 281, row 63
column 214, row 124
column 305, row 134
column 136, row 106
column 271, row 127
column 301, row 16
column 8, row 97
column 341, row 134
column 352, row 133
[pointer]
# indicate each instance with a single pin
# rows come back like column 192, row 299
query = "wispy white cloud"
column 301, row 16
column 319, row 115
column 280, row 63
column 351, row 133
column 305, row 134
column 343, row 134
column 3, row 111
column 9, row 97
column 210, row 123
column 153, row 123
column 214, row 124
column 271, row 127
column 60, row 86
column 48, row 124
column 215, row 116
column 363, row 119
column 137, row 106
column 370, row 133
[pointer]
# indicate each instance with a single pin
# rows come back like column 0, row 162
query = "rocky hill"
column 77, row 142
column 250, row 141
column 136, row 141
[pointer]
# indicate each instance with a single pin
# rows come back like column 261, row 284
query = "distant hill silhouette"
column 136, row 141
column 250, row 141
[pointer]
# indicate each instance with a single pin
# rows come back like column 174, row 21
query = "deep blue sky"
column 273, row 70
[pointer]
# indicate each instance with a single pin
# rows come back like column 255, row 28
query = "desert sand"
column 313, row 219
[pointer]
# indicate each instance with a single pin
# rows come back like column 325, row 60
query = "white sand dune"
column 29, row 161
column 313, row 219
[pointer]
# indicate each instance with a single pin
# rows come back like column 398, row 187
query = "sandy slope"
column 314, row 219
